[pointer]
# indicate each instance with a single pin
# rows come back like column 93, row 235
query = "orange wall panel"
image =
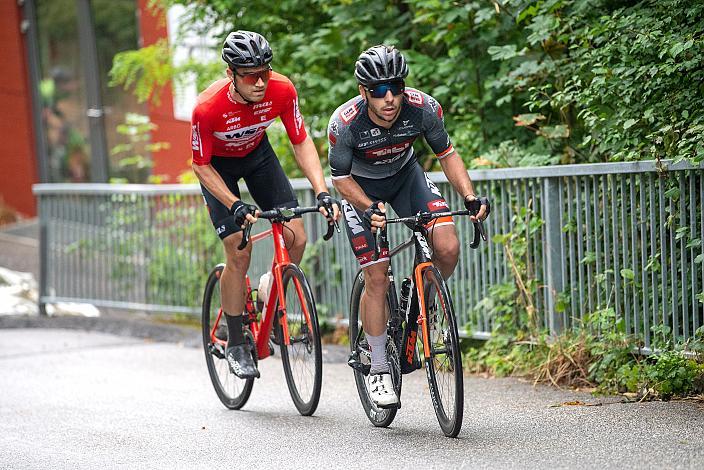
column 18, row 158
column 176, row 159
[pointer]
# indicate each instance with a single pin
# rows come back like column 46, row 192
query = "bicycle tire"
column 445, row 354
column 379, row 417
column 304, row 345
column 232, row 391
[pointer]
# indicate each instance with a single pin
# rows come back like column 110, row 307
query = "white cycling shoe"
column 381, row 390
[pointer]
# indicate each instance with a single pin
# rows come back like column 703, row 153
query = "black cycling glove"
column 371, row 210
column 475, row 204
column 239, row 211
column 327, row 201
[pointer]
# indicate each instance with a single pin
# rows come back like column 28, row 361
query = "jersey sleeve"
column 201, row 137
column 339, row 150
column 292, row 118
column 434, row 129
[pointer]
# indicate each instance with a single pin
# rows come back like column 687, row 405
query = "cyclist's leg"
column 418, row 193
column 271, row 188
column 372, row 310
column 232, row 280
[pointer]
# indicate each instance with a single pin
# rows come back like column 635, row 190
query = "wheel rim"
column 230, row 385
column 440, row 340
column 301, row 350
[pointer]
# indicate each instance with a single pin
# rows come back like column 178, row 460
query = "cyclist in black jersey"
column 372, row 163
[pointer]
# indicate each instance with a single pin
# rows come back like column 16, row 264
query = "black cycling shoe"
column 239, row 358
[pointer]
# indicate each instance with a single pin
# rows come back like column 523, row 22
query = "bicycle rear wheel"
column 444, row 366
column 232, row 391
column 302, row 358
column 379, row 417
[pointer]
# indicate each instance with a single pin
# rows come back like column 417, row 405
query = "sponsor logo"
column 375, row 132
column 364, row 135
column 390, row 150
column 232, row 128
column 243, row 135
column 423, row 245
column 348, row 113
column 195, row 137
column 410, row 347
column 231, row 120
column 433, row 189
column 387, row 161
column 297, row 115
column 334, row 128
column 371, row 143
column 405, row 123
column 437, row 204
column 433, row 104
column 414, row 96
column 353, row 220
column 360, row 243
column 263, row 104
column 262, row 111
column 263, row 118
column 220, row 229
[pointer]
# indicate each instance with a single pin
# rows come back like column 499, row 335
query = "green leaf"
column 629, row 123
column 555, row 132
column 628, row 274
column 528, row 119
column 699, row 259
column 673, row 193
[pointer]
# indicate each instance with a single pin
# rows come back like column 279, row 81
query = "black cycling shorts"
column 265, row 179
column 408, row 192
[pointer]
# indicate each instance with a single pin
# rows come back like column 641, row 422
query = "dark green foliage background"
column 595, row 80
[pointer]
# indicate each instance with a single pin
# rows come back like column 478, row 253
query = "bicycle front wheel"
column 302, row 357
column 379, row 417
column 444, row 364
column 232, row 391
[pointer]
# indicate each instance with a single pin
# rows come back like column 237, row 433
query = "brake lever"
column 479, row 234
column 332, row 225
column 245, row 236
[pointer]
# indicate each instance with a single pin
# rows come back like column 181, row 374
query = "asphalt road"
column 72, row 399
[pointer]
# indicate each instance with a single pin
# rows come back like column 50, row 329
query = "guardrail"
column 626, row 236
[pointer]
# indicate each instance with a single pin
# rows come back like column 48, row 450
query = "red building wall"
column 176, row 159
column 17, row 159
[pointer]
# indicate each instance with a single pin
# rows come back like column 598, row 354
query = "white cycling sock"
column 377, row 344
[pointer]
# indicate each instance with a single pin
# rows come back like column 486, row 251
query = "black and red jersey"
column 223, row 127
column 359, row 147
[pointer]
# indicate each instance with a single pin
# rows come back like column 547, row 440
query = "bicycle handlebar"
column 285, row 214
column 422, row 218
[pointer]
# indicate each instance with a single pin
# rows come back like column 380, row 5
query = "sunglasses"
column 380, row 90
column 253, row 78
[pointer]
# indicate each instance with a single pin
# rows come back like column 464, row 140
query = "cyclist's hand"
column 328, row 205
column 478, row 206
column 243, row 212
column 375, row 216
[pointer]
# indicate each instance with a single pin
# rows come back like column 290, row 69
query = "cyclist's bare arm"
column 355, row 195
column 214, row 183
column 309, row 163
column 457, row 175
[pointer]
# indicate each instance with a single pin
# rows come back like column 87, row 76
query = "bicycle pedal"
column 396, row 406
column 271, row 347
column 357, row 365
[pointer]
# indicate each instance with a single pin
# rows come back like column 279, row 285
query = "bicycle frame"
column 262, row 329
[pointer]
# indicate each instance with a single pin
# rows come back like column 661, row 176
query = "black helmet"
column 246, row 49
column 380, row 64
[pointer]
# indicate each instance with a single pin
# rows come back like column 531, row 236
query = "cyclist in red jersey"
column 229, row 142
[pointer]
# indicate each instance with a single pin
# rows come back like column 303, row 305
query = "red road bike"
column 288, row 319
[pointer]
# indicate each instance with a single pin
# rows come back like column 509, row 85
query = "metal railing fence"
column 624, row 238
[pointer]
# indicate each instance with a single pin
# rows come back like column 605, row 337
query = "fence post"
column 552, row 251
column 43, row 254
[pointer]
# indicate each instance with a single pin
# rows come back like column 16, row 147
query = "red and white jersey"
column 223, row 127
